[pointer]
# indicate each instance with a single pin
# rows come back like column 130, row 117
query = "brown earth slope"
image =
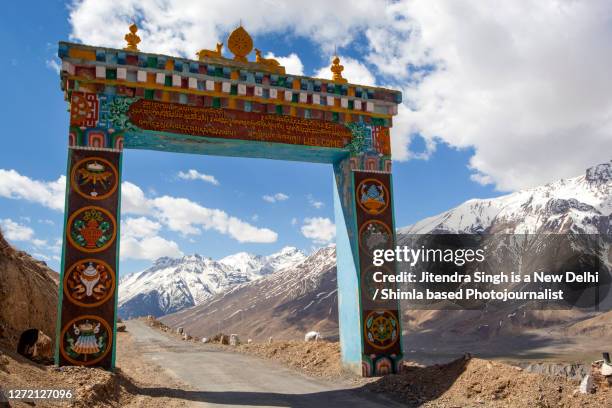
column 28, row 294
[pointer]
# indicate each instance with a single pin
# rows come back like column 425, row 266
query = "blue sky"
column 35, row 124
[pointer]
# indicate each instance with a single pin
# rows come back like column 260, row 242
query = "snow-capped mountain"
column 173, row 284
column 579, row 205
column 286, row 304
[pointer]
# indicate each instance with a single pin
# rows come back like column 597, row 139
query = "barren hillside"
column 28, row 294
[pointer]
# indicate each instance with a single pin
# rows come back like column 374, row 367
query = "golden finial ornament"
column 337, row 69
column 240, row 44
column 132, row 39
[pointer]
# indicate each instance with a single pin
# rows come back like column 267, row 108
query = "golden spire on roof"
column 240, row 44
column 337, row 69
column 132, row 39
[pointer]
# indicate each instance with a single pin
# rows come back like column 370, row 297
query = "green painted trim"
column 60, row 299
column 117, row 243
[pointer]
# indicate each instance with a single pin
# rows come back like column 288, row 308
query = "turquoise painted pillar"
column 347, row 262
column 370, row 329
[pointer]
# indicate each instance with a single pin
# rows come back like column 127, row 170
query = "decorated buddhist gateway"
column 229, row 106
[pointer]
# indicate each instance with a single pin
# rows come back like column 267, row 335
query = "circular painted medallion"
column 91, row 229
column 89, row 282
column 86, row 340
column 373, row 196
column 94, row 178
column 381, row 329
column 373, row 235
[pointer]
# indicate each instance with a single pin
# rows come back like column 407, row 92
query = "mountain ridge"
column 172, row 284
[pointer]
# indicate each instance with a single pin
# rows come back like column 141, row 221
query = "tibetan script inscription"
column 235, row 124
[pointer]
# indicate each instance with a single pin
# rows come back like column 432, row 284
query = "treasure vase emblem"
column 91, row 229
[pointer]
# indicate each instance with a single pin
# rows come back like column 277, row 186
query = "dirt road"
column 225, row 379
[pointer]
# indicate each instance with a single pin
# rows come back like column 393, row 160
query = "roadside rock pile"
column 220, row 338
column 475, row 382
column 153, row 322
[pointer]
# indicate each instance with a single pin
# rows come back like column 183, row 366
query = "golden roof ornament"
column 240, row 44
column 132, row 39
column 337, row 69
column 270, row 63
column 203, row 53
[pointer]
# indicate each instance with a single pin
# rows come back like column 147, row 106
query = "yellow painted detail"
column 82, row 54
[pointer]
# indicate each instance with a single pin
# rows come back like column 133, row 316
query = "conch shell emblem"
column 90, row 277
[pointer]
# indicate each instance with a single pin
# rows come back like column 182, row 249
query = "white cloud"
column 53, row 64
column 315, row 203
column 354, row 71
column 525, row 84
column 190, row 218
column 176, row 27
column 320, row 230
column 140, row 240
column 133, row 200
column 47, row 193
column 149, row 248
column 13, row 231
column 292, row 63
column 178, row 214
column 187, row 217
column 195, row 175
column 273, row 198
column 139, row 227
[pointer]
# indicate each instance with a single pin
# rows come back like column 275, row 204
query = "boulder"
column 179, row 330
column 586, row 385
column 205, row 340
column 313, row 336
column 121, row 327
column 43, row 349
column 234, row 340
column 36, row 346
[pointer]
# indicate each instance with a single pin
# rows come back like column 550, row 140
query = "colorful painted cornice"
column 222, row 83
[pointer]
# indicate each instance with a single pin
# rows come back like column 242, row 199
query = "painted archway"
column 127, row 99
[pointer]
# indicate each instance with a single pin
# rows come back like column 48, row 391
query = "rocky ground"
column 134, row 384
column 465, row 382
